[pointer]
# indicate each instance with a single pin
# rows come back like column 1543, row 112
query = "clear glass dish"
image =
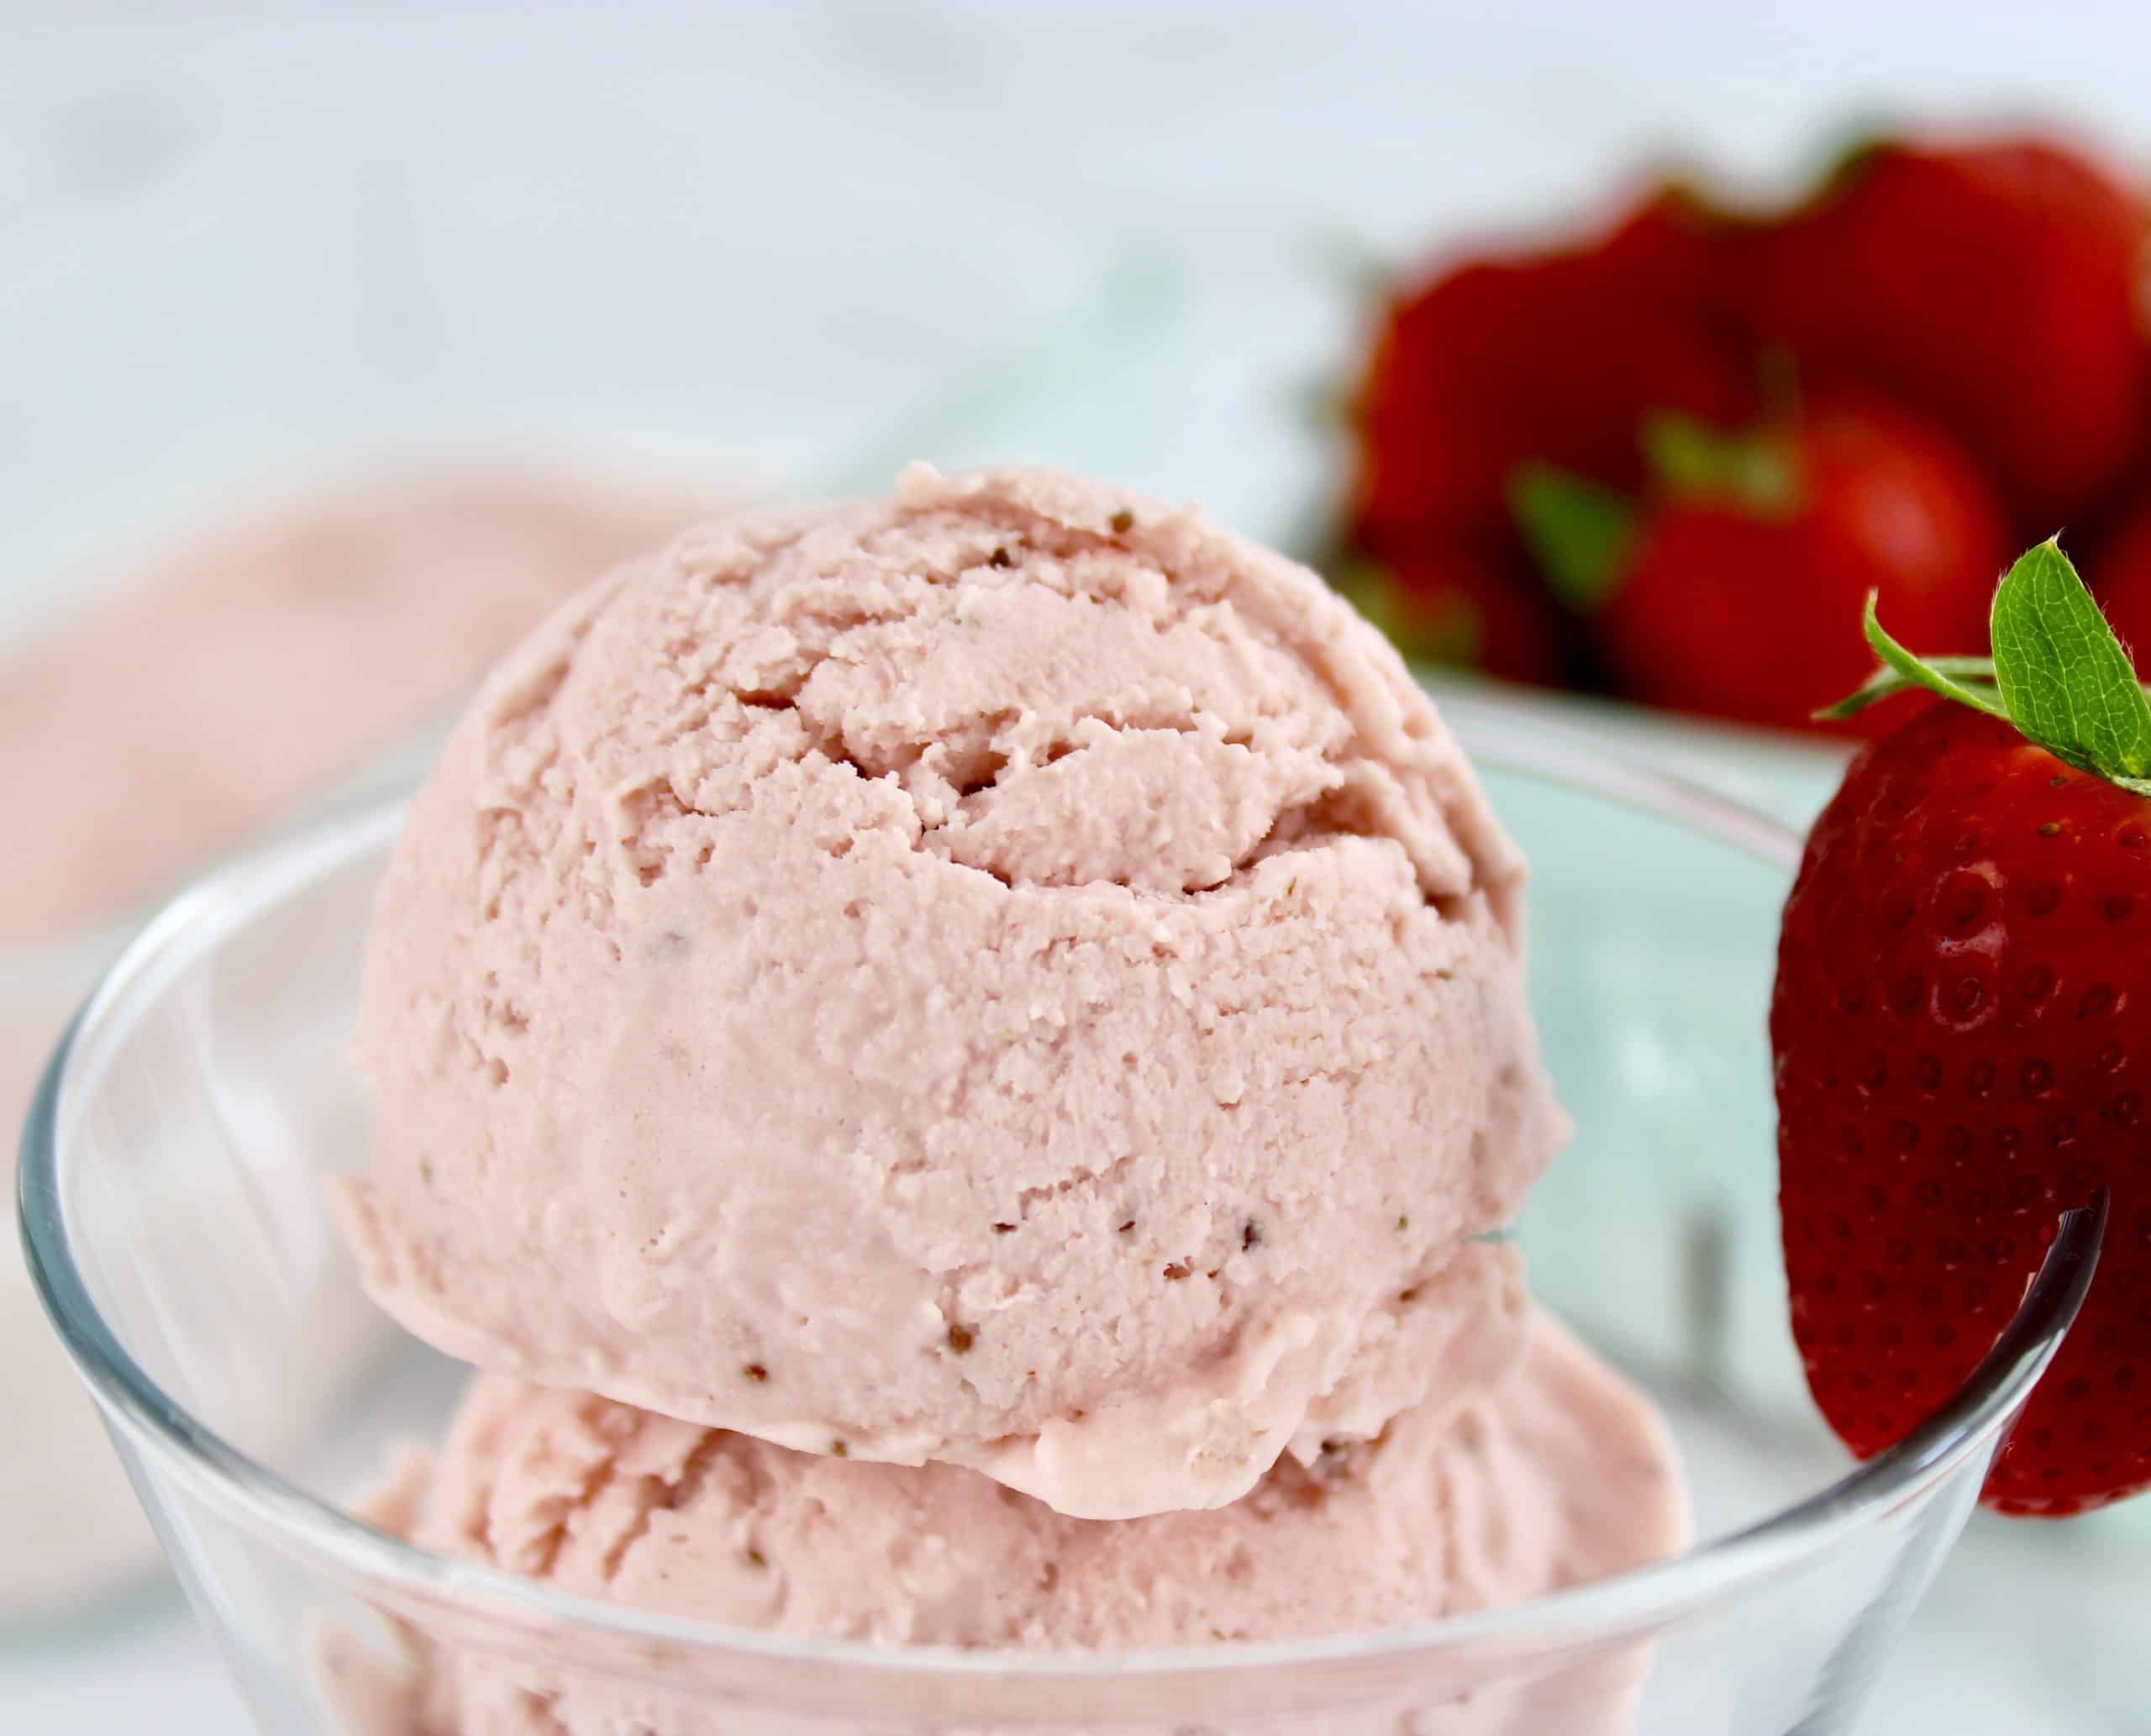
column 175, row 1221
column 71, row 1537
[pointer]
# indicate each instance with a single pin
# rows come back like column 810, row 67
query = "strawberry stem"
column 1969, row 681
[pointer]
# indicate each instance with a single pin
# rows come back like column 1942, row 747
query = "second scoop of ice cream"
column 1012, row 975
column 1562, row 1474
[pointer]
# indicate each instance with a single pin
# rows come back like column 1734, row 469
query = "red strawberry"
column 1452, row 603
column 2125, row 586
column 1995, row 287
column 1961, row 1048
column 1552, row 355
column 1727, row 593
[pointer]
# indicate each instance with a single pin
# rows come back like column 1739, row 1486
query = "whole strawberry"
column 1995, row 286
column 1962, row 1029
column 1725, row 588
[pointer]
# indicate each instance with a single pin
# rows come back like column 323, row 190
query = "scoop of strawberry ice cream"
column 1009, row 975
column 1561, row 1474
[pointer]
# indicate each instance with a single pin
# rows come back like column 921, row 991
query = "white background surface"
column 242, row 242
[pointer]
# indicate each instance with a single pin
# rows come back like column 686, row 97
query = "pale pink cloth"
column 239, row 668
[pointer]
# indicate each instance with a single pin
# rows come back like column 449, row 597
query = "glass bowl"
column 175, row 1214
column 72, row 1536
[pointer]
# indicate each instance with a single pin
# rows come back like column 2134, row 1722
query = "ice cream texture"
column 1010, row 976
column 1556, row 1476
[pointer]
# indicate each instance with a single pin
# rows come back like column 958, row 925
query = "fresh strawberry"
column 1450, row 601
column 1552, row 355
column 1961, row 1048
column 2124, row 575
column 1726, row 591
column 1995, row 287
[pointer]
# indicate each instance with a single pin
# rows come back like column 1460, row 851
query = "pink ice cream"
column 1558, row 1475
column 1009, row 976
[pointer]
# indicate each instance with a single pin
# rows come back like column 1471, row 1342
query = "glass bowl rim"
column 1502, row 738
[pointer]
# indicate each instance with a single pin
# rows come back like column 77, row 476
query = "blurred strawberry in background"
column 1703, row 434
column 1995, row 287
column 1723, row 588
column 2122, row 573
column 1476, row 604
column 1551, row 355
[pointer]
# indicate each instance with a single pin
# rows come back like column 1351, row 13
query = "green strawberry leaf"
column 2058, row 673
column 2066, row 680
column 1580, row 533
column 1758, row 472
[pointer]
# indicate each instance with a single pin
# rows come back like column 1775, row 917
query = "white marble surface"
column 239, row 242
